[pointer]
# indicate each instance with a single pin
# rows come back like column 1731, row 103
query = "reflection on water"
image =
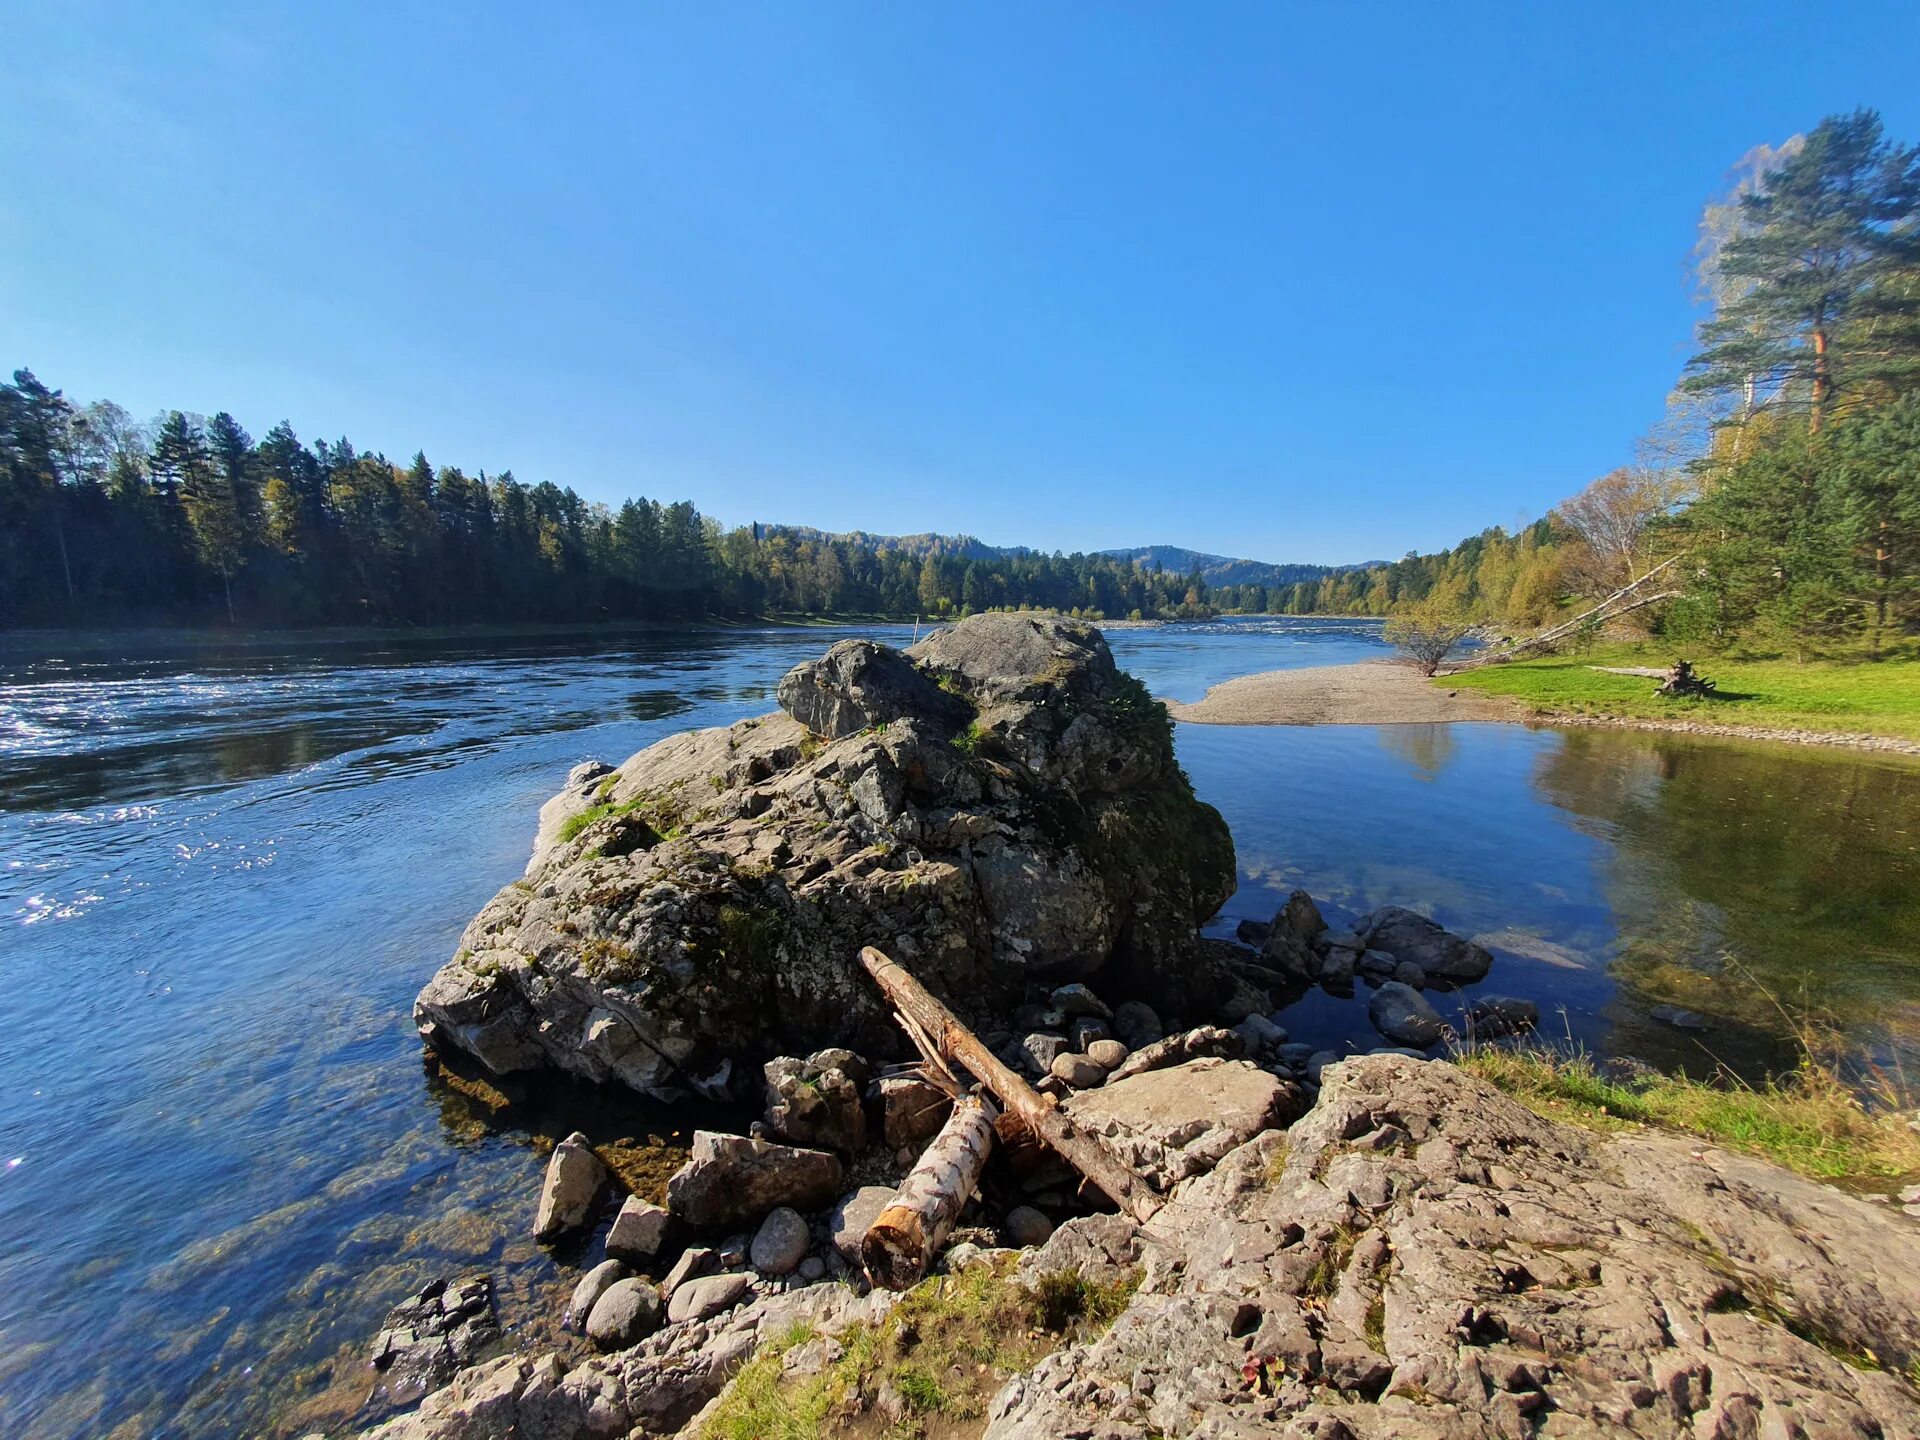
column 226, row 870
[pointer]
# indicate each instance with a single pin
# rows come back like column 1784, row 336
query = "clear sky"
column 1294, row 282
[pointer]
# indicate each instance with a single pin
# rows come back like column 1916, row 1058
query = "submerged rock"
column 1402, row 1014
column 1442, row 956
column 425, row 1340
column 999, row 805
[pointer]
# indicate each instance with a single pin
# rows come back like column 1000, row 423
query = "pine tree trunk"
column 903, row 1241
column 227, row 580
column 1822, row 381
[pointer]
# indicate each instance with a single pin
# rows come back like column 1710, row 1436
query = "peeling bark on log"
column 902, row 1242
column 1082, row 1151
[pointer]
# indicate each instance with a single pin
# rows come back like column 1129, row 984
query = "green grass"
column 1811, row 1122
column 944, row 1349
column 1864, row 697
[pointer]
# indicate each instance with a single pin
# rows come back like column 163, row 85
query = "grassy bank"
column 1811, row 1122
column 929, row 1368
column 1848, row 698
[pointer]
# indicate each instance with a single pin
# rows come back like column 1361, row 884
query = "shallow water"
column 225, row 871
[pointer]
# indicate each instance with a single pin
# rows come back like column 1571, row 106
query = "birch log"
column 1079, row 1149
column 901, row 1243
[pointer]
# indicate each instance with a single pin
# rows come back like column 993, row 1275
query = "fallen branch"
column 956, row 1042
column 902, row 1242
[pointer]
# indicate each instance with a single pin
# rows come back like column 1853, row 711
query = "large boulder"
column 730, row 1180
column 1444, row 957
column 997, row 806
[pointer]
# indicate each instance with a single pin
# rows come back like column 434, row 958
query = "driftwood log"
column 903, row 1241
column 938, row 1027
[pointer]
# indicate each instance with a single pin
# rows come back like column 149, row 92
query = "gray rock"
column 1026, row 1226
column 1172, row 1124
column 1503, row 1015
column 574, row 1178
column 854, row 1216
column 1252, row 932
column 1078, row 1071
column 1402, row 1014
column 708, row 1296
column 1678, row 1018
column 780, row 1243
column 1379, row 962
column 1107, row 1054
column 1043, row 1049
column 1085, row 1029
column 1301, row 917
column 1336, row 967
column 815, row 1105
column 592, row 1286
column 1444, row 957
column 859, row 684
column 1408, row 973
column 1338, row 939
column 626, row 1313
column 731, row 1180
column 638, row 1230
column 1178, row 1049
column 911, row 1110
column 428, row 1338
column 1261, row 1035
column 694, row 1261
column 1077, row 999
column 1136, row 1024
column 1319, row 1062
column 813, row 1269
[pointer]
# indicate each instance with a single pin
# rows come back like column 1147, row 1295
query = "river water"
column 226, row 869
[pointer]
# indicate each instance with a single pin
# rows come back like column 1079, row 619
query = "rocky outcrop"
column 999, row 807
column 1424, row 1257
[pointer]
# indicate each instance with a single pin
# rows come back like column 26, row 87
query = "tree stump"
column 1681, row 679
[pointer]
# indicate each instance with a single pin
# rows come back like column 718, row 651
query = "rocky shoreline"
column 1377, row 1245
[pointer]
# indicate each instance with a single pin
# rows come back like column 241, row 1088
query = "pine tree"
column 1816, row 237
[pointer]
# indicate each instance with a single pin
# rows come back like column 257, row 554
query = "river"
column 226, row 868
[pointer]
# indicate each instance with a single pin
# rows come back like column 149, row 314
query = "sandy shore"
column 1372, row 692
column 1384, row 692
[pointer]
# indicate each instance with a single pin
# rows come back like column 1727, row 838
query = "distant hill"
column 964, row 547
column 1225, row 569
column 1174, row 560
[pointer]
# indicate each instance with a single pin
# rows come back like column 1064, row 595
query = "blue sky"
column 1300, row 283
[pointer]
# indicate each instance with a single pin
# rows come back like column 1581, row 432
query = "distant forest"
column 104, row 520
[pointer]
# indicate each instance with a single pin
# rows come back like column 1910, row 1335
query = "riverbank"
column 1827, row 706
column 1873, row 706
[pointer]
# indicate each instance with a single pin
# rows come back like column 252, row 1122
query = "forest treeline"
column 104, row 520
column 1784, row 487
